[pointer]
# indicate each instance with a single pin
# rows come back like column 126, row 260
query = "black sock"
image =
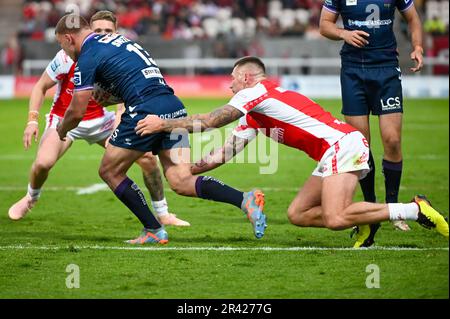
column 210, row 188
column 130, row 194
column 368, row 182
column 392, row 175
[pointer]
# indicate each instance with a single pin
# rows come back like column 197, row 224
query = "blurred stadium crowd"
column 196, row 19
column 185, row 19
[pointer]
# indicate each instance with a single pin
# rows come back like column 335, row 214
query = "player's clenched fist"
column 150, row 124
column 356, row 38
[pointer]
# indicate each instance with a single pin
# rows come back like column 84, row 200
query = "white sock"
column 34, row 193
column 399, row 211
column 161, row 208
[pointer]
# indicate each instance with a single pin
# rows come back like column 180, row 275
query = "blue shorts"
column 371, row 90
column 166, row 106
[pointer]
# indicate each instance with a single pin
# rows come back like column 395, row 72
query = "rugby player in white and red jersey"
column 96, row 127
column 326, row 199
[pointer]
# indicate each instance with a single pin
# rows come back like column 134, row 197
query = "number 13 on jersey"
column 152, row 71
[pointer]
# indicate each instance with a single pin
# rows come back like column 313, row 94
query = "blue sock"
column 368, row 182
column 212, row 189
column 392, row 175
column 130, row 194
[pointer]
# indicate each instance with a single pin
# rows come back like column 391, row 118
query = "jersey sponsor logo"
column 351, row 2
column 151, row 72
column 329, row 3
column 179, row 113
column 391, row 103
column 77, row 78
column 369, row 23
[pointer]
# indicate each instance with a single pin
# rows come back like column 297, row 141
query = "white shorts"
column 92, row 131
column 349, row 154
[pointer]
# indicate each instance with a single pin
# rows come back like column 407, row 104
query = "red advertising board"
column 440, row 49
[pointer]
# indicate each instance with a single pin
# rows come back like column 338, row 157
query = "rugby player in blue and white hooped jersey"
column 371, row 80
column 128, row 72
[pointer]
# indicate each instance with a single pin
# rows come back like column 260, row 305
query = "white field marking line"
column 21, row 247
column 93, row 189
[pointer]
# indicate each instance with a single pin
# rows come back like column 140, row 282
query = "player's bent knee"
column 293, row 216
column 334, row 223
column 296, row 217
column 148, row 162
column 106, row 172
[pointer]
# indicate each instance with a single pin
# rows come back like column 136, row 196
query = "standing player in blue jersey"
column 371, row 82
column 129, row 73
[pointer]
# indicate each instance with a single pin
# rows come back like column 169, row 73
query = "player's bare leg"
column 177, row 169
column 327, row 202
column 50, row 150
column 339, row 211
column 115, row 164
column 305, row 210
column 390, row 129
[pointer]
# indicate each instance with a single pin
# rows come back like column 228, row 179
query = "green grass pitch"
column 89, row 230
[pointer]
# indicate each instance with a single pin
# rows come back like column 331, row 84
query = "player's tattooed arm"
column 198, row 122
column 220, row 156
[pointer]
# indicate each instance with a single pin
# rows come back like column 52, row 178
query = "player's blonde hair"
column 71, row 24
column 104, row 15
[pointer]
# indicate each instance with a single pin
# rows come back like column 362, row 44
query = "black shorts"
column 166, row 106
column 371, row 90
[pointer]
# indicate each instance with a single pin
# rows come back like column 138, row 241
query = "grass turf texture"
column 68, row 221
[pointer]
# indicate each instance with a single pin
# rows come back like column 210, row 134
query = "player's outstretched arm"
column 36, row 99
column 220, row 156
column 415, row 27
column 329, row 29
column 74, row 113
column 194, row 123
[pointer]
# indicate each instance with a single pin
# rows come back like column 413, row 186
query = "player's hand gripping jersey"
column 375, row 17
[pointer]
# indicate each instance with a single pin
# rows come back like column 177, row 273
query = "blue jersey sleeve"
column 84, row 75
column 333, row 5
column 403, row 5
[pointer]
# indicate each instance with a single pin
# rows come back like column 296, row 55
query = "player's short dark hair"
column 251, row 60
column 104, row 15
column 71, row 24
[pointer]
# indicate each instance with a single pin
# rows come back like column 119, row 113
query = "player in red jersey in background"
column 342, row 152
column 96, row 127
